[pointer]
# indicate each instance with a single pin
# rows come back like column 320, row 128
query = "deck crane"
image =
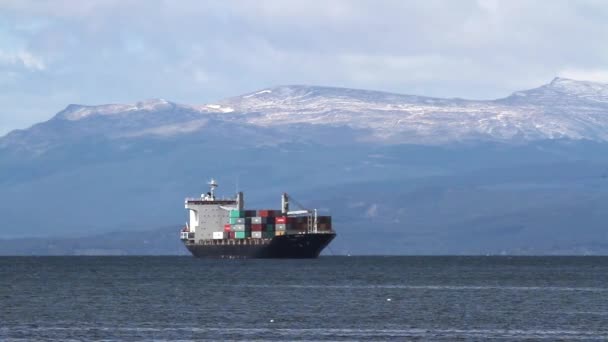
column 311, row 214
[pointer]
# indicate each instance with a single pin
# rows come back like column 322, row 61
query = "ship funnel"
column 240, row 202
column 284, row 203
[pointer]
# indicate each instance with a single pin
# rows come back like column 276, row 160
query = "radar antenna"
column 212, row 185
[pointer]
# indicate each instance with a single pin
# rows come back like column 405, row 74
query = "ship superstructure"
column 222, row 228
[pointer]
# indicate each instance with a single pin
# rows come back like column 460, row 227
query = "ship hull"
column 297, row 246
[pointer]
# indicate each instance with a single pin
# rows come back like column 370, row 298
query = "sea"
column 327, row 299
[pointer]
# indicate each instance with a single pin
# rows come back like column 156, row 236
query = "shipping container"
column 232, row 220
column 268, row 235
column 256, row 227
column 324, row 219
column 324, row 226
column 259, row 220
column 250, row 213
column 218, row 235
column 281, row 220
column 241, row 235
column 299, row 226
column 226, row 227
column 279, row 233
column 237, row 227
column 280, row 226
column 232, row 235
column 237, row 213
column 270, row 227
column 256, row 235
column 269, row 213
column 298, row 219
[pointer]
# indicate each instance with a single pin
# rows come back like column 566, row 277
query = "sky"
column 54, row 53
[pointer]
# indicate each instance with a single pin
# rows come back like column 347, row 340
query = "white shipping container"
column 218, row 235
column 256, row 235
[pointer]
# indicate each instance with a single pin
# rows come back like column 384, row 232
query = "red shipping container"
column 226, row 227
column 257, row 227
column 280, row 220
column 324, row 219
column 232, row 235
column 269, row 213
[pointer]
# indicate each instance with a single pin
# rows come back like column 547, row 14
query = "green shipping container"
column 240, row 235
column 237, row 213
column 270, row 227
column 233, row 220
column 267, row 235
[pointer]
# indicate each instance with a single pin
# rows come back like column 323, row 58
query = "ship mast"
column 210, row 196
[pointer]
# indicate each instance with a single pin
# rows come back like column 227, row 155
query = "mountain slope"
column 562, row 109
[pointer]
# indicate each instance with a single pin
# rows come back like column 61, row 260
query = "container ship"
column 222, row 228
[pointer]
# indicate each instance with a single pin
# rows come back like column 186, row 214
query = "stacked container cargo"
column 263, row 224
column 239, row 224
column 268, row 223
column 324, row 223
column 235, row 215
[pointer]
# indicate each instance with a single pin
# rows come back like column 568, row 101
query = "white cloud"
column 190, row 51
column 595, row 75
column 22, row 59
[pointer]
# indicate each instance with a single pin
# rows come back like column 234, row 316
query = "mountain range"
column 562, row 109
column 401, row 174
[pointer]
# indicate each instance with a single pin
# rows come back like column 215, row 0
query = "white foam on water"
column 434, row 287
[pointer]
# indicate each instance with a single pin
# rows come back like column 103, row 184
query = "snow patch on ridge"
column 78, row 112
column 266, row 91
column 217, row 108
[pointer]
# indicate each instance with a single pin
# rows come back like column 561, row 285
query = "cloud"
column 192, row 51
column 595, row 75
column 21, row 59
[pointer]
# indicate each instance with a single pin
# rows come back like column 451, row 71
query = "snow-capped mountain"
column 561, row 109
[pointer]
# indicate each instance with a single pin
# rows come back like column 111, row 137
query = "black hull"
column 299, row 246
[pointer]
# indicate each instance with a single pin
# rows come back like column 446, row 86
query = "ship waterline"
column 297, row 246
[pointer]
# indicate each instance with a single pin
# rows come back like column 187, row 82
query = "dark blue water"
column 332, row 298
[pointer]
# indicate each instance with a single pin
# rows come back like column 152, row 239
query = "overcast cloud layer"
column 104, row 51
